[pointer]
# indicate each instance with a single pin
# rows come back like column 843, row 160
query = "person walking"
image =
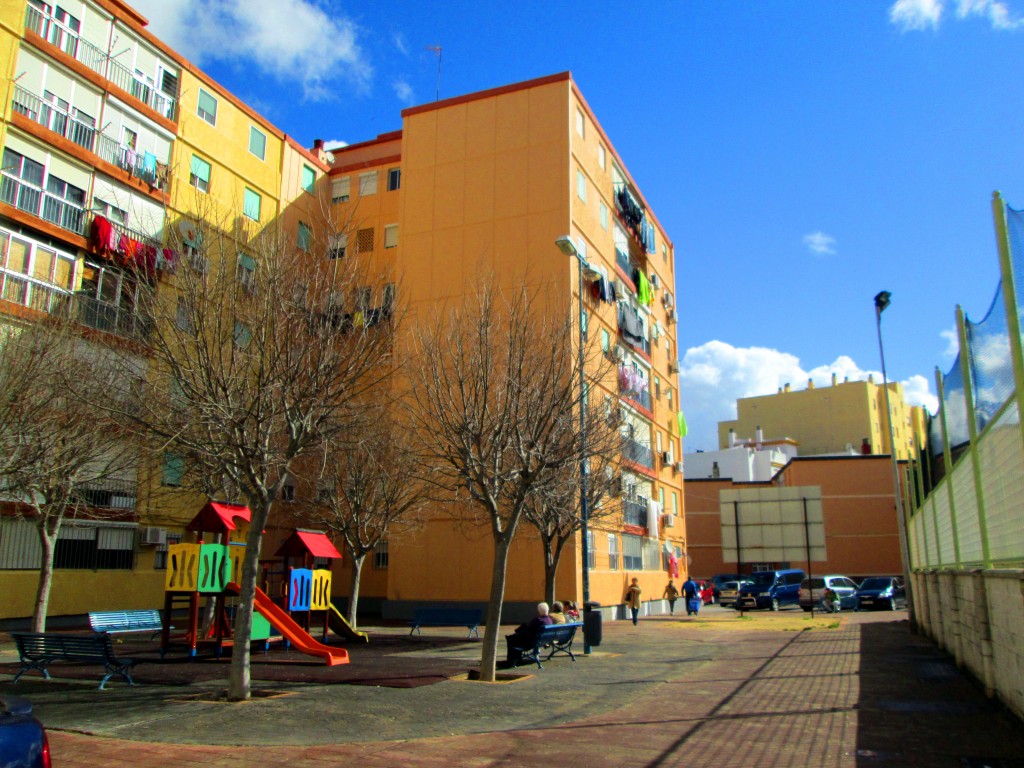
column 633, row 600
column 692, row 596
column 671, row 594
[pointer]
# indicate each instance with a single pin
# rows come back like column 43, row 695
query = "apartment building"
column 832, row 419
column 480, row 187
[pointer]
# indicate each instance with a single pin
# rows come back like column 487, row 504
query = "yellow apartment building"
column 832, row 419
column 480, row 187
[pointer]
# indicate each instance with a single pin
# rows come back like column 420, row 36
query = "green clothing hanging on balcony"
column 644, row 293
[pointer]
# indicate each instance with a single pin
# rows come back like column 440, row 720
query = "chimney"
column 846, row 379
column 834, row 379
column 787, row 388
column 318, row 144
column 810, row 383
column 732, row 438
column 715, row 472
column 758, row 437
column 871, row 378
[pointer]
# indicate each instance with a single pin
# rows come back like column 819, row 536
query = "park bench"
column 556, row 639
column 447, row 617
column 119, row 622
column 39, row 649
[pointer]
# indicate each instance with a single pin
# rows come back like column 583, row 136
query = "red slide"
column 291, row 631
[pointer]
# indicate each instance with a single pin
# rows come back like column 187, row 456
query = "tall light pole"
column 882, row 300
column 568, row 247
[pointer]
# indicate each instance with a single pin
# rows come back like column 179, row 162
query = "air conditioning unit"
column 669, row 521
column 667, row 301
column 673, row 367
column 655, row 281
column 666, row 458
column 679, row 466
column 670, row 316
column 154, row 536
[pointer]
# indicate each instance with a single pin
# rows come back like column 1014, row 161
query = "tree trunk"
column 353, row 599
column 239, row 680
column 48, row 541
column 492, row 628
column 550, row 571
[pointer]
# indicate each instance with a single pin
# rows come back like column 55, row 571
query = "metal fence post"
column 972, row 430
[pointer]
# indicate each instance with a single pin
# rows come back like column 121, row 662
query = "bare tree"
column 57, row 448
column 555, row 509
column 496, row 396
column 366, row 489
column 260, row 353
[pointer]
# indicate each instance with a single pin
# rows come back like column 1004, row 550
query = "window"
column 581, row 123
column 246, row 271
column 591, row 555
column 207, row 107
column 664, row 252
column 602, row 157
column 257, row 142
column 336, row 248
column 613, row 552
column 308, row 179
column 390, row 235
column 241, row 335
column 632, row 553
column 305, row 237
column 604, row 215
column 109, row 546
column 200, row 174
column 340, row 189
column 364, row 240
column 394, row 179
column 668, row 397
column 368, row 183
column 251, row 204
column 288, row 491
column 380, row 556
column 606, row 340
column 181, row 316
column 675, row 503
column 173, row 470
column 657, row 388
column 160, row 561
column 388, row 297
column 581, row 186
column 661, row 496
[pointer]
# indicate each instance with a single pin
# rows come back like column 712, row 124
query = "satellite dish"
column 188, row 231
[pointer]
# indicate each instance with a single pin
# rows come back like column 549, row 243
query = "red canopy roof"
column 219, row 517
column 303, row 542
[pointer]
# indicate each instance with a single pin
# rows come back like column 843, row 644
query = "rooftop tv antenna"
column 437, row 49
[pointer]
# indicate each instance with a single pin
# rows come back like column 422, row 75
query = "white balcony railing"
column 32, row 199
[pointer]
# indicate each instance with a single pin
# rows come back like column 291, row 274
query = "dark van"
column 771, row 589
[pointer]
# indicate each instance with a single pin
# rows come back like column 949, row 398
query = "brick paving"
column 669, row 692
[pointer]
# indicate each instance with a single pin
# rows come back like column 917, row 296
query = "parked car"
column 707, row 592
column 23, row 742
column 881, row 592
column 729, row 592
column 718, row 580
column 771, row 589
column 812, row 591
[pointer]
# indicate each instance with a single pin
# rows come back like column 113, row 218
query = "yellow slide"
column 339, row 625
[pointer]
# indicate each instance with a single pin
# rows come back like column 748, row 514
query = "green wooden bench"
column 556, row 639
column 40, row 649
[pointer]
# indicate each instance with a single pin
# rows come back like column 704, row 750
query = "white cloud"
column 952, row 343
column 400, row 44
column 289, row 40
column 330, row 144
column 820, row 244
column 912, row 15
column 715, row 375
column 403, row 91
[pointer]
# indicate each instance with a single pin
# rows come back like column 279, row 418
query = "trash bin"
column 591, row 624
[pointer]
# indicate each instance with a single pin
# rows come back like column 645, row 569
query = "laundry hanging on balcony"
column 630, row 324
column 603, row 289
column 644, row 292
column 653, row 513
column 630, row 380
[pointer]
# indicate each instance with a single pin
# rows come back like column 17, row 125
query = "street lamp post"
column 568, row 247
column 882, row 300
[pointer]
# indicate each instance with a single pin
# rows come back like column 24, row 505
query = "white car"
column 812, row 591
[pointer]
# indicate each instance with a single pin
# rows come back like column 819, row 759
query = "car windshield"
column 762, row 578
column 876, row 583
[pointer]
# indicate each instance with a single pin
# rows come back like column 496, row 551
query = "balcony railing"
column 98, row 61
column 624, row 263
column 127, row 159
column 56, row 118
column 640, row 398
column 112, row 494
column 634, row 512
column 21, row 290
column 110, row 318
column 45, row 205
column 638, row 453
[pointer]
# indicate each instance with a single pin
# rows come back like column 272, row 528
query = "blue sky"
column 802, row 156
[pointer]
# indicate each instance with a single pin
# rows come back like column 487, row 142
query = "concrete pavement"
column 716, row 691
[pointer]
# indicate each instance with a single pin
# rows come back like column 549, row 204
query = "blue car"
column 23, row 741
column 885, row 592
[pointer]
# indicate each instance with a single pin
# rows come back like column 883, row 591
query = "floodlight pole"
column 882, row 300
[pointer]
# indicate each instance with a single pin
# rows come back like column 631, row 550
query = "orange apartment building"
column 478, row 188
column 861, row 536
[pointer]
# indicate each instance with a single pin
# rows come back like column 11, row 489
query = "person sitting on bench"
column 526, row 634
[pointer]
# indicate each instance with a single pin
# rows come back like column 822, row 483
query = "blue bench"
column 554, row 638
column 447, row 617
column 118, row 622
column 39, row 649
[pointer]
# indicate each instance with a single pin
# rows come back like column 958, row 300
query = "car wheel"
column 806, row 609
column 775, row 604
column 892, row 603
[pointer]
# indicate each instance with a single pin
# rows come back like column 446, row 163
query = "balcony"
column 69, row 41
column 110, row 494
column 634, row 387
column 54, row 117
column 634, row 512
column 109, row 318
column 638, row 453
column 624, row 263
column 32, row 199
column 20, row 289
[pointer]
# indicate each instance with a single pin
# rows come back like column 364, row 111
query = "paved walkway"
column 718, row 691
